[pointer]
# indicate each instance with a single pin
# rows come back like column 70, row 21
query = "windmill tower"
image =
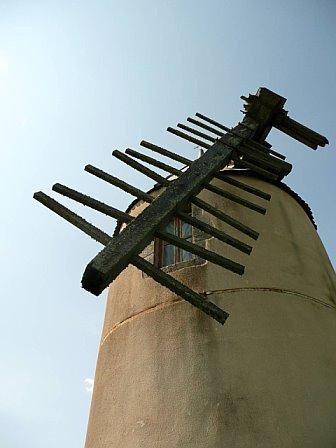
column 168, row 374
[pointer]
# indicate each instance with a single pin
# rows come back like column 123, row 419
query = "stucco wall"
column 169, row 376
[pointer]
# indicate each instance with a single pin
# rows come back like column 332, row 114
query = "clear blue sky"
column 80, row 78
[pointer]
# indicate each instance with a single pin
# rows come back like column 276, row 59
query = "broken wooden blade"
column 107, row 265
column 300, row 132
column 160, row 276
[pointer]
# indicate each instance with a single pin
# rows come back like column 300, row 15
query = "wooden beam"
column 107, row 265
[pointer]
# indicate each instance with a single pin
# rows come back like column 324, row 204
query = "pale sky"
column 80, row 78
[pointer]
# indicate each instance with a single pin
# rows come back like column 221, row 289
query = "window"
column 166, row 254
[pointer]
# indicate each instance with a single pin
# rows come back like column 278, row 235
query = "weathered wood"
column 135, row 237
column 299, row 131
column 225, row 218
column 119, row 183
column 222, row 176
column 125, row 217
column 165, row 152
column 211, row 121
column 201, row 252
column 160, row 276
column 205, row 126
column 180, row 289
column 139, row 167
column 92, row 203
column 198, row 133
column 154, row 162
column 258, row 145
column 257, row 169
column 229, row 180
column 212, row 188
column 262, row 110
column 188, row 137
column 277, row 154
column 72, row 218
column 235, row 198
column 213, row 231
column 263, row 159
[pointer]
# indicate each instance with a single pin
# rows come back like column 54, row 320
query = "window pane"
column 186, row 256
column 170, row 228
column 185, row 230
column 168, row 257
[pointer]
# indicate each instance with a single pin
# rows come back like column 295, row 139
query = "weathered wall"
column 169, row 376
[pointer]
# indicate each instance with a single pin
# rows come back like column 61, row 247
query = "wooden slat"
column 180, row 289
column 213, row 231
column 205, row 126
column 235, row 198
column 154, row 162
column 119, row 183
column 257, row 169
column 226, row 218
column 225, row 178
column 212, row 188
column 92, row 203
column 188, row 137
column 198, row 133
column 211, row 121
column 165, row 152
column 201, row 252
column 139, row 167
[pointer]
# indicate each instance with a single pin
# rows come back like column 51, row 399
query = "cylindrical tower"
column 169, row 376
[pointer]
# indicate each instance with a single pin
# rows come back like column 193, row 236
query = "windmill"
column 245, row 145
column 167, row 375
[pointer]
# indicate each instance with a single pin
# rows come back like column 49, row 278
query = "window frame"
column 178, row 257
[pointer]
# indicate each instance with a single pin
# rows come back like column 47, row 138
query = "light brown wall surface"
column 169, row 376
